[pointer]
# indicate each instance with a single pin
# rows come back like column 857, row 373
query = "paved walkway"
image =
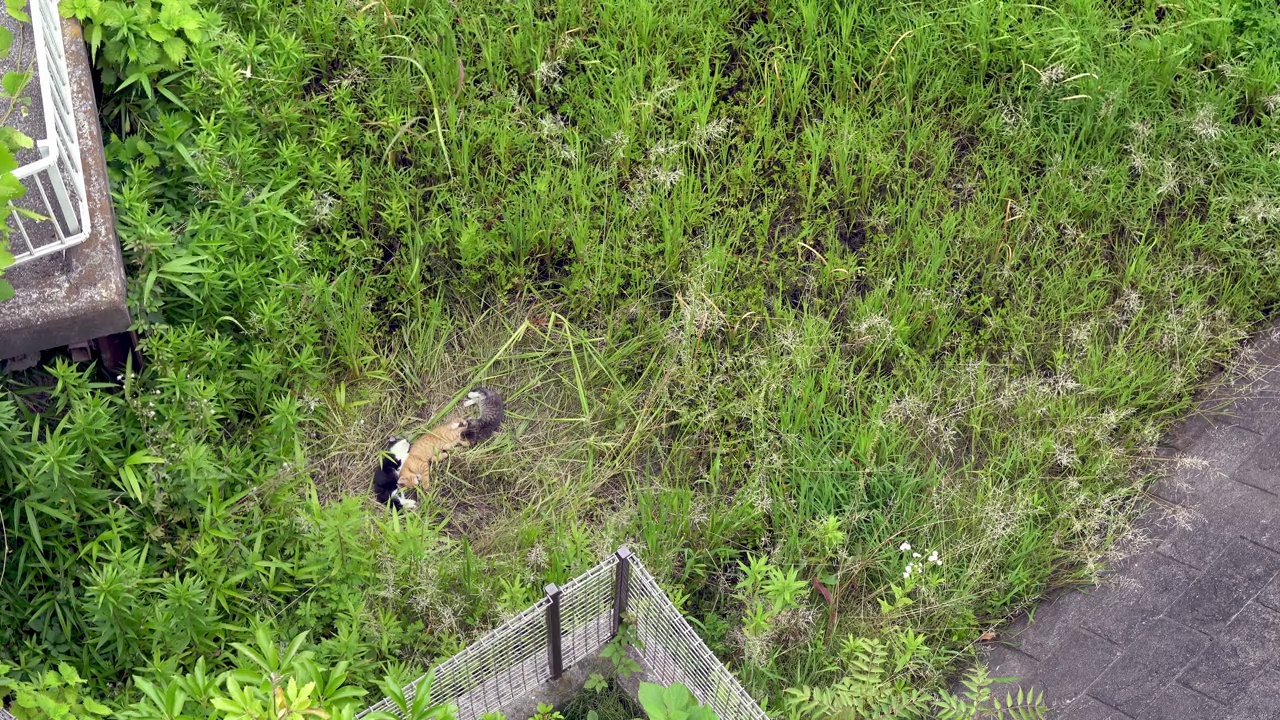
column 1187, row 626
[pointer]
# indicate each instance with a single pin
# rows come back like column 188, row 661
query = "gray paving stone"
column 1257, row 401
column 1176, row 702
column 1156, row 523
column 1148, row 665
column 1261, row 701
column 1221, row 441
column 1087, row 708
column 1226, row 447
column 1261, row 469
column 1082, row 657
column 1148, row 585
column 1003, row 662
column 1051, row 621
column 1198, row 545
column 1201, row 478
column 1236, row 657
column 1270, row 595
column 1266, row 531
column 1228, row 510
column 1231, row 580
column 1262, row 410
column 1193, row 430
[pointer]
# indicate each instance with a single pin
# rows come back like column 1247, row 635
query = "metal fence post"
column 555, row 659
column 621, row 586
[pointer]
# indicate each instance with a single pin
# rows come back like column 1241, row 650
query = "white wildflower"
column 322, row 206
column 667, row 91
column 905, row 547
column 537, row 557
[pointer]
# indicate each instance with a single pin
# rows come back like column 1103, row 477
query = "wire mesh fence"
column 572, row 624
column 501, row 666
column 671, row 651
column 586, row 612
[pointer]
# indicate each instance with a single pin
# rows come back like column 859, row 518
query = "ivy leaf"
column 6, row 291
column 11, row 188
column 13, row 139
column 17, row 10
column 7, row 162
column 14, row 82
column 6, row 41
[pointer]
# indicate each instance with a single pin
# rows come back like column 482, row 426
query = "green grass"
column 612, row 703
column 795, row 281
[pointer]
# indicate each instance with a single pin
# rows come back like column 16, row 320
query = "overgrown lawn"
column 773, row 291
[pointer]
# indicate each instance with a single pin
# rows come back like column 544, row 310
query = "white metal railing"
column 58, row 171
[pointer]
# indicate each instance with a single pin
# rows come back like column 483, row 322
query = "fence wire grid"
column 512, row 661
column 673, row 652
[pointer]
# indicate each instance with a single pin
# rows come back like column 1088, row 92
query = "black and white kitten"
column 386, row 478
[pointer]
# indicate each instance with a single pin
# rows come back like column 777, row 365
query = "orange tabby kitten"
column 435, row 444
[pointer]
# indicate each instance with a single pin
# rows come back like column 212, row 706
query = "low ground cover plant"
column 781, row 295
